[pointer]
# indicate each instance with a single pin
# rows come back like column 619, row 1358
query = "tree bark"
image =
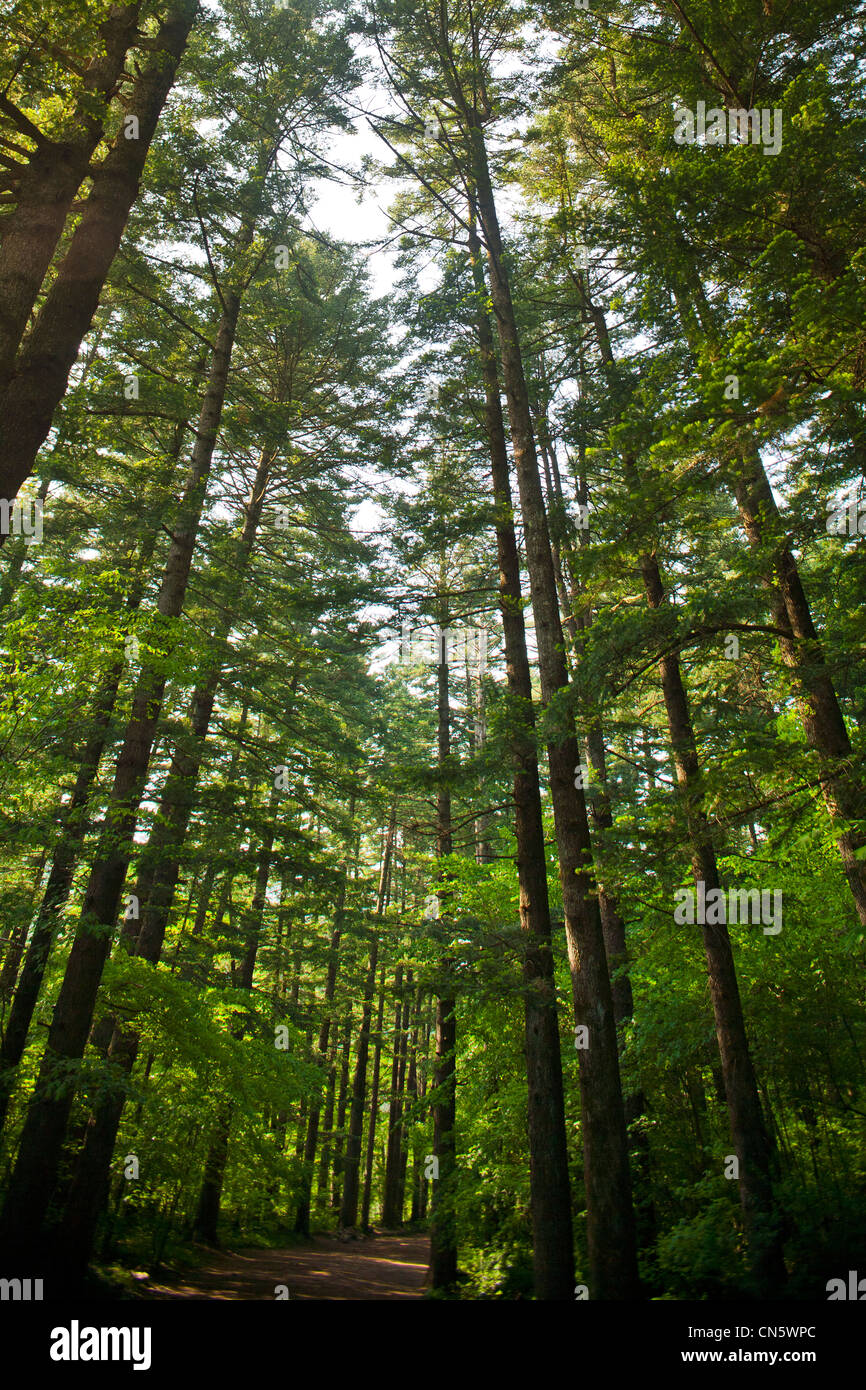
column 803, row 653
column 611, row 1241
column 34, row 1176
column 48, row 183
column 443, row 1221
column 392, row 1206
column 205, row 1226
column 207, row 1212
column 601, row 813
column 374, row 1102
column 443, row 1231
column 302, row 1220
column 553, row 1248
column 42, row 370
column 327, row 1121
column 73, row 831
column 748, row 1131
column 442, row 1228
column 351, row 1165
column 339, row 1137
column 408, row 1075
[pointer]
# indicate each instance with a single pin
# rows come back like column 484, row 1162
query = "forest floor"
column 384, row 1266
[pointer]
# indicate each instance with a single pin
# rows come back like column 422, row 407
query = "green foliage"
column 349, row 499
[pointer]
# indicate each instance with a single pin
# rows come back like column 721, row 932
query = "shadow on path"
column 325, row 1268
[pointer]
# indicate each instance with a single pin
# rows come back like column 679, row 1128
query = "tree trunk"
column 48, row 183
column 73, row 831
column 42, row 371
column 408, row 1073
column 419, row 1181
column 748, row 1131
column 159, row 866
column 340, row 1138
column 374, row 1102
column 207, row 1212
column 483, row 847
column 206, row 1222
column 302, row 1220
column 327, row 1122
column 612, row 920
column 11, row 961
column 351, row 1166
column 34, row 1176
column 443, row 1229
column 551, row 1197
column 392, row 1206
column 610, row 1216
column 803, row 654
column 443, row 1222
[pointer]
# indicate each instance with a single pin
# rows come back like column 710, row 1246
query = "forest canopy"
column 433, row 641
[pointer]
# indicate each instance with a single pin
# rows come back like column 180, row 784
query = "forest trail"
column 432, row 524
column 325, row 1268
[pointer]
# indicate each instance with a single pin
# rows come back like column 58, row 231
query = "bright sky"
column 351, row 213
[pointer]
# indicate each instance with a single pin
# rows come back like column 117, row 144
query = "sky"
column 358, row 213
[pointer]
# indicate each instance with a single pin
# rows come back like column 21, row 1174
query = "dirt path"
column 324, row 1268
